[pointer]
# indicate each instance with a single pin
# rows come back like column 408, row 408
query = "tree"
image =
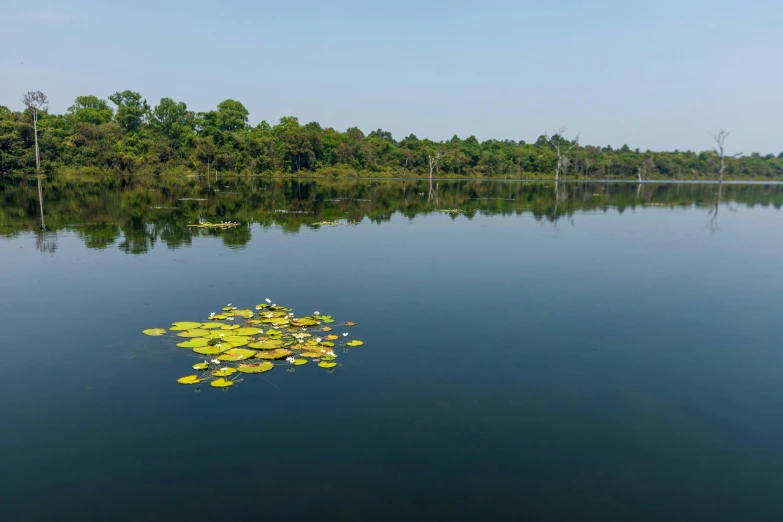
column 91, row 109
column 231, row 116
column 172, row 119
column 562, row 147
column 132, row 110
column 36, row 102
column 720, row 140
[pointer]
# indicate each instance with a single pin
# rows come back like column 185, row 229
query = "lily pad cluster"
column 222, row 224
column 245, row 341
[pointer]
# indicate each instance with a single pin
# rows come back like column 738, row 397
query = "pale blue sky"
column 655, row 75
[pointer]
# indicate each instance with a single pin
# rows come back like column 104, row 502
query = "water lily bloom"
column 345, row 334
column 318, row 339
column 316, row 313
column 213, row 313
column 230, row 319
column 290, row 359
column 268, row 300
column 215, row 361
column 229, row 304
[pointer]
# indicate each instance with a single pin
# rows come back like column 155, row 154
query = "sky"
column 654, row 75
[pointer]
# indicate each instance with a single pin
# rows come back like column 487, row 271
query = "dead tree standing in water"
column 35, row 101
column 720, row 140
column 562, row 147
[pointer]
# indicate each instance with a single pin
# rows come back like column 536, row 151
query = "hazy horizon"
column 652, row 77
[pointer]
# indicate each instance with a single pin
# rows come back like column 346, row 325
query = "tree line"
column 124, row 134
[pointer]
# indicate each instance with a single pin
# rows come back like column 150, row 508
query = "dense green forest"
column 126, row 135
column 134, row 213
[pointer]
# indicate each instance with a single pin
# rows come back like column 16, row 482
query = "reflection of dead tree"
column 433, row 194
column 720, row 141
column 562, row 148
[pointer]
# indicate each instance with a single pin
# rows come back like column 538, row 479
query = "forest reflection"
column 133, row 214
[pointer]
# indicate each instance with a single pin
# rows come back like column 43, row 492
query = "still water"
column 596, row 352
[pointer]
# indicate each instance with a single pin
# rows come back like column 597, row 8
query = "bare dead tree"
column 562, row 147
column 435, row 162
column 35, row 101
column 720, row 140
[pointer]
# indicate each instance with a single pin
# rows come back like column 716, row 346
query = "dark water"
column 605, row 352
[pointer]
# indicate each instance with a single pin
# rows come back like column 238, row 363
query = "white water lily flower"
column 290, row 359
column 273, row 305
column 233, row 307
column 318, row 339
column 331, row 354
column 270, row 315
column 212, row 314
column 231, row 319
column 268, row 300
column 215, row 361
column 345, row 334
column 291, row 314
column 316, row 313
column 304, row 329
column 323, row 351
column 229, row 304
column 224, row 368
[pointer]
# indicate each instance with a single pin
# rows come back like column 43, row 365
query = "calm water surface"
column 606, row 352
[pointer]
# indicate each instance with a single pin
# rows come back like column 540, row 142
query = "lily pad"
column 255, row 368
column 350, row 323
column 237, row 354
column 211, row 326
column 279, row 353
column 246, row 331
column 154, row 332
column 330, row 344
column 221, row 383
column 230, row 327
column 300, row 362
column 201, row 366
column 184, row 325
column 189, row 379
column 194, row 333
column 198, row 342
column 327, row 364
column 224, row 372
column 214, row 350
column 271, row 344
column 237, row 340
column 355, row 342
column 326, row 329
column 311, row 354
column 332, row 337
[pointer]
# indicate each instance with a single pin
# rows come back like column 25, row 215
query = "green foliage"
column 171, row 139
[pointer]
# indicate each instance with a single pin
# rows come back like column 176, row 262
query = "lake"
column 598, row 351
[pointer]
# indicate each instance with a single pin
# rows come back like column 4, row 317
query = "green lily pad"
column 198, row 342
column 194, row 333
column 211, row 326
column 330, row 344
column 189, row 379
column 154, row 332
column 279, row 353
column 255, row 368
column 221, row 383
column 230, row 327
column 246, row 331
column 300, row 362
column 201, row 366
column 271, row 344
column 184, row 325
column 237, row 354
column 224, row 372
column 355, row 342
column 327, row 320
column 213, row 350
column 237, row 340
column 326, row 364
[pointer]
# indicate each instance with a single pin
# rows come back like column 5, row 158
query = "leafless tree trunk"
column 561, row 148
column 35, row 101
column 435, row 161
column 720, row 140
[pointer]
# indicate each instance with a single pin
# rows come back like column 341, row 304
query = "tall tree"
column 720, row 141
column 132, row 109
column 91, row 109
column 562, row 147
column 36, row 102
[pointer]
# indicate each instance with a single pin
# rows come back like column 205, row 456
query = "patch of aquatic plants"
column 238, row 341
